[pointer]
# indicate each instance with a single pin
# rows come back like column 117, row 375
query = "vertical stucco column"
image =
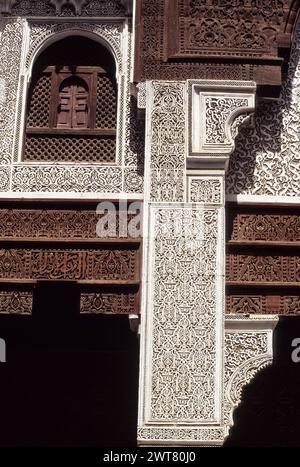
column 190, row 130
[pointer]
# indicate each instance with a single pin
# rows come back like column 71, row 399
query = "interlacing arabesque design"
column 167, row 142
column 267, row 158
column 246, row 353
column 184, row 336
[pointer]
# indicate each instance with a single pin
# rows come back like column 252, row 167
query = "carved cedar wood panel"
column 263, row 262
column 61, row 244
column 171, row 30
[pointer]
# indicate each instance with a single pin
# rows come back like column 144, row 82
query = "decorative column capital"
column 6, row 6
column 216, row 110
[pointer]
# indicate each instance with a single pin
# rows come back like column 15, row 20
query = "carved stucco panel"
column 267, row 157
column 11, row 48
column 216, row 111
column 166, row 150
column 248, row 350
column 60, row 179
column 128, row 175
column 184, row 316
column 206, row 189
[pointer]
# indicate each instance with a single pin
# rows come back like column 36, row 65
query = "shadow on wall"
column 269, row 412
column 70, row 380
column 264, row 144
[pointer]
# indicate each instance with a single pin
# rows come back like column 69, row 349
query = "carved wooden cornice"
column 195, row 39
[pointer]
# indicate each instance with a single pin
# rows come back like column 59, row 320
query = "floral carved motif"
column 217, row 113
column 259, row 269
column 174, row 34
column 184, row 309
column 263, row 304
column 68, row 8
column 104, row 302
column 60, row 178
column 266, row 159
column 167, row 143
column 126, row 176
column 11, row 48
column 16, row 302
column 246, row 353
column 266, row 227
column 54, row 224
column 205, row 190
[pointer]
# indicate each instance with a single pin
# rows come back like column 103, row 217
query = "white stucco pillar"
column 190, row 130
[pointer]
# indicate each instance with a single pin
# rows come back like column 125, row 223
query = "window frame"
column 90, row 75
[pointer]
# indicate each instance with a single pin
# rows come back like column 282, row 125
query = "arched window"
column 72, row 104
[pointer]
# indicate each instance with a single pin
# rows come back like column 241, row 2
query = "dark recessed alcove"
column 269, row 413
column 69, row 380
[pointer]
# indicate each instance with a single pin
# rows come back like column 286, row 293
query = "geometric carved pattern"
column 184, row 307
column 266, row 159
column 181, row 435
column 167, row 142
column 38, row 112
column 88, row 8
column 20, row 302
column 266, row 227
column 51, row 224
column 67, row 264
column 202, row 39
column 44, row 143
column 263, row 268
column 263, row 304
column 70, row 148
column 104, row 302
column 106, row 109
column 106, row 270
column 64, row 178
column 271, row 235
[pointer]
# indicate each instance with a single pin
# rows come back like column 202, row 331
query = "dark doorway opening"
column 70, row 379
